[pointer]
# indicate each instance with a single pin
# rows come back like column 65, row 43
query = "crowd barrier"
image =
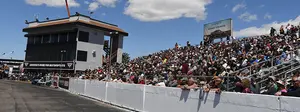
column 161, row 99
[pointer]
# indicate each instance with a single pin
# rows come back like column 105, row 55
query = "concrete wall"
column 96, row 41
column 165, row 99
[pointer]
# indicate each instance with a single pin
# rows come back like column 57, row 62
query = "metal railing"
column 282, row 73
column 265, row 64
column 261, row 77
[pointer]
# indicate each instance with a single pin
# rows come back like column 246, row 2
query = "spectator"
column 292, row 87
column 189, row 84
column 281, row 30
column 216, row 85
column 272, row 31
column 272, row 86
column 296, row 92
column 173, row 82
column 161, row 83
column 281, row 86
column 246, row 86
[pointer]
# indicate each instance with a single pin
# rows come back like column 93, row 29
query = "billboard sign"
column 49, row 65
column 218, row 29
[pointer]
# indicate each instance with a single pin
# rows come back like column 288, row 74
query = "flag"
column 12, row 52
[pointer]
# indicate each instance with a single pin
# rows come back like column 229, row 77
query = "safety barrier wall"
column 162, row 99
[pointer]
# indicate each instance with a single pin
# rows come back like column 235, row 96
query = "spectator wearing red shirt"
column 185, row 68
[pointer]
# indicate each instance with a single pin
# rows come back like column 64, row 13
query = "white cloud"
column 239, row 6
column 158, row 10
column 261, row 6
column 248, row 17
column 267, row 16
column 93, row 6
column 97, row 3
column 226, row 6
column 86, row 2
column 108, row 3
column 103, row 14
column 264, row 29
column 53, row 3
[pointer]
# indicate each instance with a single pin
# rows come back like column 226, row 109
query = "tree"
column 125, row 58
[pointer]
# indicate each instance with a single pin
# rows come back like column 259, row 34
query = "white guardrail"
column 161, row 99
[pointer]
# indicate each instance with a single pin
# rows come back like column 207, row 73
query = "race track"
column 23, row 97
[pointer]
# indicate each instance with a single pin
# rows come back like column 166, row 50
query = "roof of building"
column 10, row 60
column 91, row 22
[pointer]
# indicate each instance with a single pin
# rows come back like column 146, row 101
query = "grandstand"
column 252, row 59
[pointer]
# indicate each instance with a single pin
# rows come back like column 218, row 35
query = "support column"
column 116, row 48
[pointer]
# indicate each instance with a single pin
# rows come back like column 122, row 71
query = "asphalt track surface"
column 23, row 97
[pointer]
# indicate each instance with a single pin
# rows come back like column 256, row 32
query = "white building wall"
column 96, row 41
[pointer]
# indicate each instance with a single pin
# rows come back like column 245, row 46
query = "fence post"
column 144, row 98
column 106, row 85
column 227, row 82
column 84, row 90
column 257, row 88
column 272, row 62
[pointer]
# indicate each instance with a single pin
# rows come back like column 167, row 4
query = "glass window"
column 46, row 39
column 84, row 36
column 30, row 40
column 38, row 40
column 63, row 37
column 54, row 38
column 81, row 55
column 72, row 37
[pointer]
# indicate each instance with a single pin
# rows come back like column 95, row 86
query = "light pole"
column 61, row 59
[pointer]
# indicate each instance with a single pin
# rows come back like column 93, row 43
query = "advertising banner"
column 49, row 65
column 10, row 61
column 64, row 82
column 218, row 29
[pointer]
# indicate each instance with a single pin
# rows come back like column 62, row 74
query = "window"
column 63, row 37
column 46, row 39
column 30, row 40
column 83, row 36
column 81, row 55
column 38, row 40
column 72, row 36
column 54, row 38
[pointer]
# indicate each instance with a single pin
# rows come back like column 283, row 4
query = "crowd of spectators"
column 191, row 67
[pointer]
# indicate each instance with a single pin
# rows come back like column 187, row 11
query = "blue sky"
column 153, row 25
